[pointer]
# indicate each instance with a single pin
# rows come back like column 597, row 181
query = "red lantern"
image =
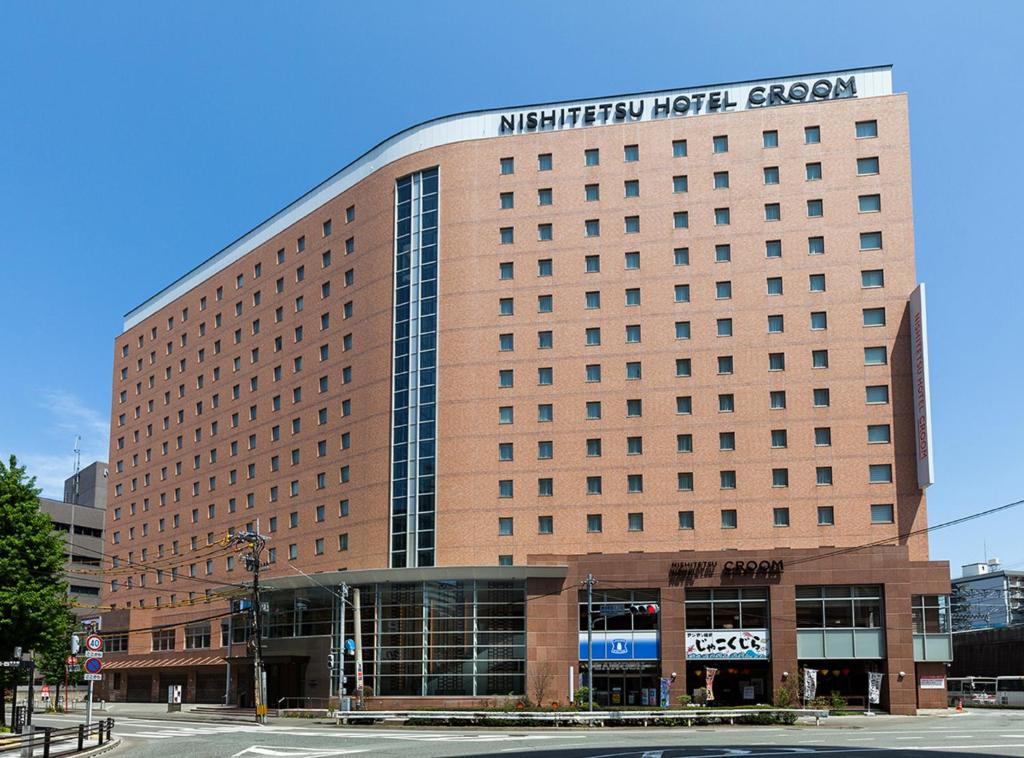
column 846, row 672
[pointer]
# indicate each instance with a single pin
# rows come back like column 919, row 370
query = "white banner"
column 874, row 687
column 919, row 376
column 810, row 684
column 726, row 644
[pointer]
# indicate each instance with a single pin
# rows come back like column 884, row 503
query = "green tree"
column 33, row 594
column 51, row 654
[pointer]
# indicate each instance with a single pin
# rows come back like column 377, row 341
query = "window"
column 679, row 148
column 727, row 441
column 506, row 342
column 826, row 515
column 686, row 519
column 632, row 333
column 728, row 518
column 545, row 267
column 723, row 253
column 723, row 290
column 631, row 153
column 593, row 336
column 545, row 487
column 684, row 405
column 780, row 477
column 777, row 399
column 680, row 183
column 823, row 436
column 545, row 450
column 875, row 356
column 592, row 157
column 823, row 476
column 507, row 200
column 869, row 204
column 682, row 330
column 593, row 372
column 776, row 361
column 505, row 488
column 592, row 192
column 164, row 639
column 508, row 166
column 634, row 483
column 819, row 359
column 684, row 481
column 545, row 524
column 684, row 443
column 684, row 367
column 812, row 135
column 867, row 166
column 721, row 179
column 880, row 473
column 634, row 408
column 632, row 224
column 870, row 240
column 872, row 278
column 592, row 228
column 780, row 517
column 832, row 607
column 631, row 188
column 350, row 214
column 505, row 414
column 771, row 174
column 821, row 397
column 593, row 522
column 593, row 485
column 681, row 220
column 721, row 216
column 727, row 480
column 812, row 172
column 882, row 514
column 724, row 327
column 504, row 526
column 774, row 285
column 544, row 196
column 877, row 394
column 773, row 249
column 545, row 412
column 815, row 245
column 634, row 370
column 505, row 378
column 635, row 522
column 879, row 434
column 775, row 324
column 682, row 293
column 770, row 138
column 726, row 403
column 545, row 375
column 816, row 282
column 815, row 208
column 779, row 438
column 505, row 450
column 720, row 144
column 507, row 235
column 866, row 129
column 544, row 162
column 545, row 340
column 544, row 232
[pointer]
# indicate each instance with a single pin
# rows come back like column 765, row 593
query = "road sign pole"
column 88, row 706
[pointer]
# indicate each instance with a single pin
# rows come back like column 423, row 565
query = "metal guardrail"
column 299, row 703
column 57, row 741
column 581, row 717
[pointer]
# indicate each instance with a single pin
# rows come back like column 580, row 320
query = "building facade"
column 987, row 596
column 81, row 518
column 672, row 341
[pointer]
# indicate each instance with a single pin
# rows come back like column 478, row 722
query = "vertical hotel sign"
column 922, row 402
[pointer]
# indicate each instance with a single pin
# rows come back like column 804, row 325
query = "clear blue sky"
column 136, row 139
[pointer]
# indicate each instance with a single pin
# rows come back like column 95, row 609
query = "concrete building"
column 673, row 340
column 987, row 596
column 82, row 522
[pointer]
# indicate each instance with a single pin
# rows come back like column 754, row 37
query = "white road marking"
column 294, row 752
column 652, row 754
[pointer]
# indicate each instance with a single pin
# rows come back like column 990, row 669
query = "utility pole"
column 338, row 672
column 255, row 542
column 590, row 640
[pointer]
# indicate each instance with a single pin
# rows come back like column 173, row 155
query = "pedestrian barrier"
column 57, row 741
column 593, row 718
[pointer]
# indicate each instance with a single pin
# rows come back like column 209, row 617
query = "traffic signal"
column 330, row 661
column 644, row 609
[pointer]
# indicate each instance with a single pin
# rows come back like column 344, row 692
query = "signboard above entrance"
column 726, row 644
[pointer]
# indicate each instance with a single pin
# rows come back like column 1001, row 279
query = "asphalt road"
column 974, row 733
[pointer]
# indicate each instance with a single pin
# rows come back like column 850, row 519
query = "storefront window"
column 839, row 607
column 727, row 608
column 930, row 614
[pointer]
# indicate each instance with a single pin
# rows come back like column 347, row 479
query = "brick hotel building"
column 665, row 339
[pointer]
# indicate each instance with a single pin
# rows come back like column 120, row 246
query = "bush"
column 785, row 696
column 581, row 697
column 837, row 701
column 684, row 700
column 700, row 696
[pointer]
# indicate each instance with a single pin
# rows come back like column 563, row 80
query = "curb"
column 105, row 748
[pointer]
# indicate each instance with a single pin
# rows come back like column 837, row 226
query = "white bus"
column 972, row 690
column 1010, row 690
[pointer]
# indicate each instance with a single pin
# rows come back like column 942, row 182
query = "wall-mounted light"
column 902, row 675
column 785, row 675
